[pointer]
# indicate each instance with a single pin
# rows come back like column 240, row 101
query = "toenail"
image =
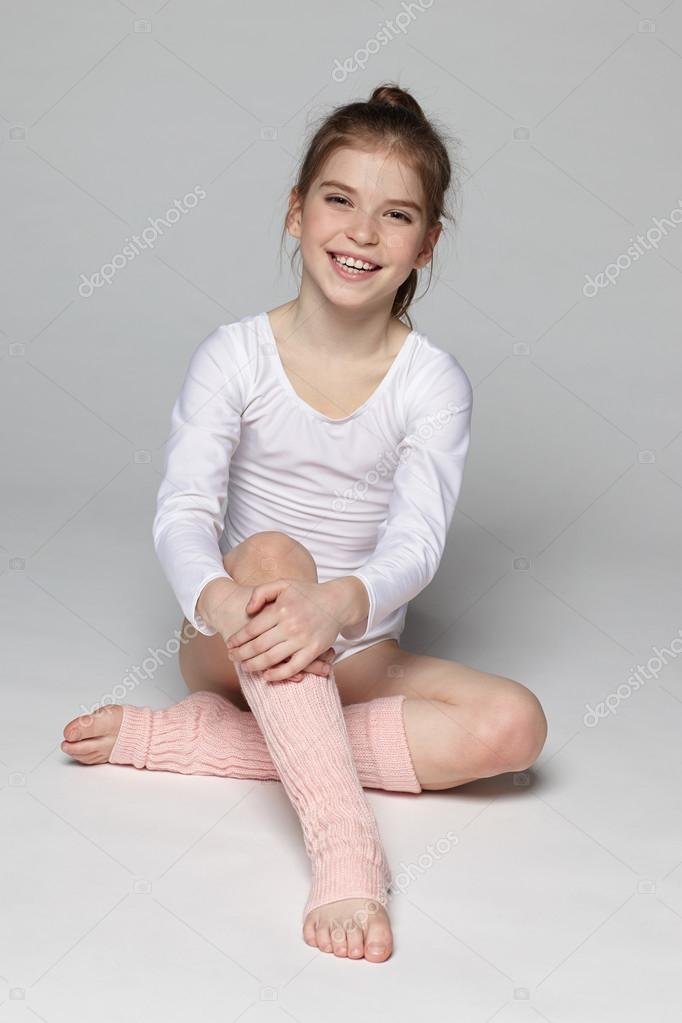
column 376, row 949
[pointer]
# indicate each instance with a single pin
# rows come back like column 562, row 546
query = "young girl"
column 337, row 436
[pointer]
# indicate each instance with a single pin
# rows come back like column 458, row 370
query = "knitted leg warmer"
column 206, row 734
column 305, row 731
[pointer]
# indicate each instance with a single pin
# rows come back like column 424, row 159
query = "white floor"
column 555, row 894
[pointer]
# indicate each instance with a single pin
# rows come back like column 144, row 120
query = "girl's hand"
column 294, row 622
column 225, row 610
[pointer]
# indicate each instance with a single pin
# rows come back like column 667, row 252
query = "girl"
column 337, row 435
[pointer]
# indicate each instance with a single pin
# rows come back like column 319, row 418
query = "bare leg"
column 461, row 723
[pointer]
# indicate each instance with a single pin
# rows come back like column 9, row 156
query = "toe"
column 104, row 723
column 324, row 941
column 85, row 726
column 377, row 953
column 378, row 945
column 88, row 751
column 354, row 940
column 338, row 933
column 309, row 931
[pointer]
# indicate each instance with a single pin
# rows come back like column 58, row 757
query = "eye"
column 393, row 213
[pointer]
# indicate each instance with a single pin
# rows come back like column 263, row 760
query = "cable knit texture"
column 206, row 734
column 305, row 731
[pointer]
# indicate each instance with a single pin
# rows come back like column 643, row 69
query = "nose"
column 362, row 228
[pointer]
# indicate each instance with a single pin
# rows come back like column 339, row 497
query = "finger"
column 240, row 641
column 263, row 593
column 296, row 677
column 274, row 649
column 251, row 654
column 318, row 667
column 297, row 663
column 255, row 603
column 274, row 661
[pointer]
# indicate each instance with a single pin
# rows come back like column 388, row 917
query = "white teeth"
column 353, row 265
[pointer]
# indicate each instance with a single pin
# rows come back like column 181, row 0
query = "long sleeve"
column 205, row 430
column 426, row 487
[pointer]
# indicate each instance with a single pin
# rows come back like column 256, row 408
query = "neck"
column 316, row 324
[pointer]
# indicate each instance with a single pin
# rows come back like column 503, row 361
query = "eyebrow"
column 390, row 202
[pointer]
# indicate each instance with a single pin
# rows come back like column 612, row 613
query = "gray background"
column 161, row 896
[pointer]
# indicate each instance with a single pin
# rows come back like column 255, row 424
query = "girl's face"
column 369, row 205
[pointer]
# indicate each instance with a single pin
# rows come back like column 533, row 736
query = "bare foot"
column 90, row 738
column 352, row 928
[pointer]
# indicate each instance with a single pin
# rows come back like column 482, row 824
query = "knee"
column 521, row 728
column 271, row 554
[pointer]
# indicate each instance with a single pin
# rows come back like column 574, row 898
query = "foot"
column 350, row 928
column 90, row 738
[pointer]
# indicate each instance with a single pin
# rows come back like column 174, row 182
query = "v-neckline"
column 282, row 373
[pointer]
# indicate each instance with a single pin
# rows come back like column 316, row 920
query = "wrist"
column 213, row 596
column 350, row 600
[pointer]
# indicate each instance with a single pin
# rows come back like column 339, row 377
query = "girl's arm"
column 426, row 487
column 205, row 430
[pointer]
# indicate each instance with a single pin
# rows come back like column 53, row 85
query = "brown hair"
column 390, row 118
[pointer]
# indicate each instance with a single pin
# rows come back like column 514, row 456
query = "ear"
column 428, row 245
column 294, row 214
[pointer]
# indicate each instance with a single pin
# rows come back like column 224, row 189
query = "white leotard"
column 371, row 495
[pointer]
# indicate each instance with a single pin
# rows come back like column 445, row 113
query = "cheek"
column 401, row 249
column 317, row 220
column 316, row 234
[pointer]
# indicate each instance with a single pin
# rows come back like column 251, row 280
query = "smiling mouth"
column 351, row 270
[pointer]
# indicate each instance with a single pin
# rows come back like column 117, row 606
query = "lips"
column 361, row 259
column 352, row 277
column 332, row 254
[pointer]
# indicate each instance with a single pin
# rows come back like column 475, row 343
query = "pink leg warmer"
column 206, row 734
column 304, row 728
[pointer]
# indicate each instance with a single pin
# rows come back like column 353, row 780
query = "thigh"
column 385, row 669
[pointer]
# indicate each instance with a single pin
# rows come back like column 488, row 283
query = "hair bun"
column 394, row 96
